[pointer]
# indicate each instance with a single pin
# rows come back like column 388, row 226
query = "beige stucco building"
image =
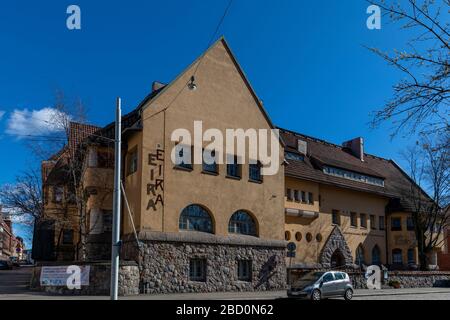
column 224, row 227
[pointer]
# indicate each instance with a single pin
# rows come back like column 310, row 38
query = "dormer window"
column 355, row 176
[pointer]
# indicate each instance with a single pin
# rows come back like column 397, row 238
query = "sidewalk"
column 395, row 292
column 271, row 295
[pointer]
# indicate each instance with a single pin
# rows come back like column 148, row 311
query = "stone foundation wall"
column 164, row 262
column 99, row 279
column 406, row 279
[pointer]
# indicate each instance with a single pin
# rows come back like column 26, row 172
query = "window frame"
column 363, row 218
column 238, row 175
column 244, row 273
column 397, row 252
column 132, row 158
column 410, row 224
column 396, row 228
column 196, row 265
column 338, row 217
column 235, row 225
column 258, row 179
column 64, row 234
column 186, row 225
column 205, row 166
column 184, row 166
column 372, row 220
column 381, row 223
column 58, row 197
column 354, row 219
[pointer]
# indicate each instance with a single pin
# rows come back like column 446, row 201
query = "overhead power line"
column 213, row 36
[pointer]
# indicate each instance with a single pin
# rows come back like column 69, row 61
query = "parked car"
column 321, row 285
column 5, row 265
column 15, row 262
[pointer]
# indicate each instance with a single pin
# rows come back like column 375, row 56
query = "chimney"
column 157, row 85
column 302, row 146
column 356, row 146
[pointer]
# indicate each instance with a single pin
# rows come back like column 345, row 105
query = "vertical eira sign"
column 156, row 186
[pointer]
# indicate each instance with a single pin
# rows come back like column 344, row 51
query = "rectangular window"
column 310, row 198
column 105, row 159
column 132, row 161
column 410, row 224
column 335, row 216
column 289, row 194
column 396, row 224
column 303, row 196
column 363, row 220
column 185, row 160
column 411, row 258
column 210, row 167
column 381, row 223
column 294, row 156
column 107, row 221
column 197, row 270
column 297, row 196
column 58, row 194
column 67, row 237
column 245, row 270
column 353, row 219
column 255, row 172
column 372, row 222
column 234, row 169
column 397, row 257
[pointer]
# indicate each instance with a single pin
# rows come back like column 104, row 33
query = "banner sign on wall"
column 59, row 275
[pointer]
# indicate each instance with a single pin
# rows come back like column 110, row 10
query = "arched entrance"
column 337, row 259
column 335, row 250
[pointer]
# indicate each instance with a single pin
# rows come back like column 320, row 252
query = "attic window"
column 294, row 156
column 355, row 176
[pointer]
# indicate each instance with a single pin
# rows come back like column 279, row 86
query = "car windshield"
column 308, row 279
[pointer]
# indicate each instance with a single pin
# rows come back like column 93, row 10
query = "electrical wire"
column 213, row 36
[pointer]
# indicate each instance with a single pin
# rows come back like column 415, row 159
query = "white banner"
column 61, row 275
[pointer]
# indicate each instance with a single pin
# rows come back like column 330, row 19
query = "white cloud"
column 34, row 122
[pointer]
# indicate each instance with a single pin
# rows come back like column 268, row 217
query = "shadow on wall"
column 268, row 270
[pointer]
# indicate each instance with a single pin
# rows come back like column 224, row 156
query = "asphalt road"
column 16, row 281
column 14, row 285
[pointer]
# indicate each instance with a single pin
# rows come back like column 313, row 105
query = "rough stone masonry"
column 163, row 261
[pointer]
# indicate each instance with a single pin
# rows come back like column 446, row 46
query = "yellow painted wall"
column 332, row 198
column 222, row 100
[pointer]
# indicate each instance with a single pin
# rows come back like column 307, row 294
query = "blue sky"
column 305, row 59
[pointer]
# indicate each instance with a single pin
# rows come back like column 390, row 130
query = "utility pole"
column 116, row 206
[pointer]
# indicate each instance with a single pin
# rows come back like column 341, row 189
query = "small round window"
column 287, row 236
column 309, row 237
column 319, row 237
column 298, row 236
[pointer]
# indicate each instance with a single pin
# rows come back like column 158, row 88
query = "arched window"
column 360, row 255
column 397, row 256
column 242, row 223
column 196, row 218
column 376, row 255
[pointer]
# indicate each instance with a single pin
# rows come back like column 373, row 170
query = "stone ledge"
column 206, row 238
column 123, row 263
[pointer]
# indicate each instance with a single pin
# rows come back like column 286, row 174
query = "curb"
column 398, row 293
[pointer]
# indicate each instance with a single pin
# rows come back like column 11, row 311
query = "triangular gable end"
column 240, row 71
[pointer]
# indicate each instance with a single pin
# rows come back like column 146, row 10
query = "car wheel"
column 348, row 295
column 316, row 295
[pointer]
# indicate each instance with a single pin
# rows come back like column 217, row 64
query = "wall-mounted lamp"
column 191, row 85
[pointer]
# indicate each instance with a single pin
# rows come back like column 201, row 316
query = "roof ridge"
column 328, row 143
